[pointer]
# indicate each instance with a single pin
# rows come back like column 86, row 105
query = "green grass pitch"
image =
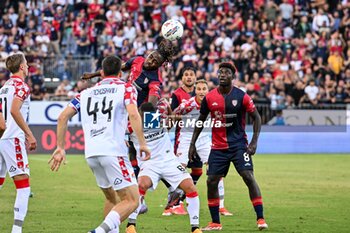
column 301, row 193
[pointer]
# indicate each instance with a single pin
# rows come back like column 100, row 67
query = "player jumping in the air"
column 145, row 75
column 228, row 105
column 15, row 99
column 163, row 165
column 104, row 110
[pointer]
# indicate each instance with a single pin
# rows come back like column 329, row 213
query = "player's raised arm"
column 2, row 123
column 59, row 155
column 87, row 76
column 204, row 112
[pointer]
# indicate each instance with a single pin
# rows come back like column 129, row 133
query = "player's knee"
column 213, row 181
column 144, row 185
column 247, row 176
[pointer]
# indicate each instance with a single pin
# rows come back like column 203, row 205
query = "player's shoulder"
column 212, row 94
column 238, row 91
column 138, row 59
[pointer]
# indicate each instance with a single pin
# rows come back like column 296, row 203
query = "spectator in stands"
column 312, row 92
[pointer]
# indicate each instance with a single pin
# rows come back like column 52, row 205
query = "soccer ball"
column 172, row 30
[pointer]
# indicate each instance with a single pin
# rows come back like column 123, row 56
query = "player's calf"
column 21, row 203
column 192, row 200
column 196, row 173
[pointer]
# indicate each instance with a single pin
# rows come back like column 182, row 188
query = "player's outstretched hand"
column 252, row 148
column 31, row 142
column 192, row 152
column 58, row 156
column 145, row 153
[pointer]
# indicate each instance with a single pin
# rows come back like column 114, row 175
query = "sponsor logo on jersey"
column 214, row 104
column 151, row 120
column 96, row 132
column 247, row 164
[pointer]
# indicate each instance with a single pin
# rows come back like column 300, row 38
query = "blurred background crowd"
column 289, row 53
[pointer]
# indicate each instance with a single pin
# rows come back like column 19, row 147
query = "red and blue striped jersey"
column 230, row 110
column 147, row 82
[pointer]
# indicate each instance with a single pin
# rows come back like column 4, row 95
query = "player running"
column 15, row 99
column 163, row 165
column 2, row 124
column 229, row 105
column 104, row 110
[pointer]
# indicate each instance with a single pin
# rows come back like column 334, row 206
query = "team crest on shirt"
column 234, row 103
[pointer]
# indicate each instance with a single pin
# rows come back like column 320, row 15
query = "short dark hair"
column 166, row 49
column 111, row 65
column 147, row 107
column 14, row 61
column 228, row 65
column 188, row 68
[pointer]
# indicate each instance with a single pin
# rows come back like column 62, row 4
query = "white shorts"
column 13, row 157
column 171, row 171
column 112, row 171
column 203, row 148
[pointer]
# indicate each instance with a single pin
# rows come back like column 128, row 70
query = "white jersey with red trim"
column 15, row 87
column 158, row 140
column 189, row 110
column 104, row 116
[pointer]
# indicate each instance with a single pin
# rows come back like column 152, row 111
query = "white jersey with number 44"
column 104, row 117
column 15, row 87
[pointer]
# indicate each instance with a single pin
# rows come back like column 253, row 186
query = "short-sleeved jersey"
column 147, row 82
column 189, row 109
column 178, row 96
column 104, row 116
column 231, row 111
column 15, row 87
column 157, row 140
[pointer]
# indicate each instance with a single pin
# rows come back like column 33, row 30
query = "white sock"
column 192, row 200
column 133, row 215
column 112, row 220
column 16, row 229
column 221, row 192
column 21, row 205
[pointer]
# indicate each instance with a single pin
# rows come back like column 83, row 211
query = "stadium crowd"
column 287, row 52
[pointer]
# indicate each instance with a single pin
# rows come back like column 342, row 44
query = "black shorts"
column 220, row 160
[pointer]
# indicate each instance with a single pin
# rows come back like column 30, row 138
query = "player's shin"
column 111, row 222
column 133, row 216
column 196, row 173
column 258, row 207
column 213, row 198
column 21, row 204
column 192, row 200
column 221, row 192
